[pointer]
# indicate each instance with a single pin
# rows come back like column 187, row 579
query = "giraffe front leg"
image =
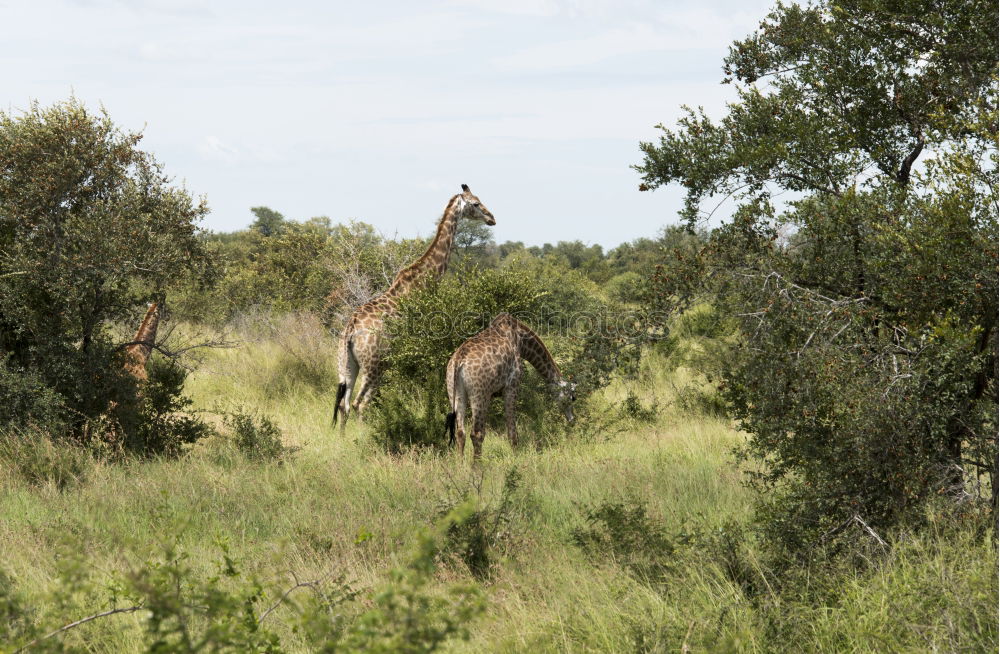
column 509, row 407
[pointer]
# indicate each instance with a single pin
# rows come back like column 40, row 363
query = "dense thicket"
column 90, row 230
column 866, row 366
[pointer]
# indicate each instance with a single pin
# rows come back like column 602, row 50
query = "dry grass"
column 337, row 506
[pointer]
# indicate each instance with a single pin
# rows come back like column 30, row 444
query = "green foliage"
column 162, row 426
column 406, row 616
column 310, row 266
column 28, row 400
column 14, row 613
column 186, row 611
column 267, row 221
column 90, row 231
column 188, row 614
column 627, row 536
column 486, row 531
column 256, row 436
column 432, row 323
column 632, row 408
column 626, row 287
column 865, row 368
column 582, row 333
column 407, row 417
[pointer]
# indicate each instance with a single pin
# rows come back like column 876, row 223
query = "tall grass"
column 338, row 508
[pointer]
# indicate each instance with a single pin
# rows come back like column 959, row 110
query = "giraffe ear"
column 465, row 187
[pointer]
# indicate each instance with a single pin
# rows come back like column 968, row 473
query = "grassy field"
column 334, row 508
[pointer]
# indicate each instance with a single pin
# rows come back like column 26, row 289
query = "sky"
column 379, row 111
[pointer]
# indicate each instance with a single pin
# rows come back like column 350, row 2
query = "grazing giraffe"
column 363, row 343
column 137, row 354
column 490, row 362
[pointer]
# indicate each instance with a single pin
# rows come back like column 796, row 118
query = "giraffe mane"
column 420, row 266
column 538, row 356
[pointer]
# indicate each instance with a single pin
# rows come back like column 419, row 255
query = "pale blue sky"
column 378, row 111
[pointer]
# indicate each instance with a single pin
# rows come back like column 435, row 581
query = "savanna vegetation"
column 786, row 434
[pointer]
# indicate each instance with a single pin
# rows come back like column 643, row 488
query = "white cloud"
column 212, row 147
column 380, row 111
column 684, row 30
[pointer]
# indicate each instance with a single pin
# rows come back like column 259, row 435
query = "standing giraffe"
column 364, row 342
column 490, row 362
column 137, row 354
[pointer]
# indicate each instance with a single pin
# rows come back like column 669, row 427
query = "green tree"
column 867, row 366
column 90, row 230
column 267, row 221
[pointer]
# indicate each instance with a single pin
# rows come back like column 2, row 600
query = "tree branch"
column 71, row 625
column 903, row 176
column 301, row 584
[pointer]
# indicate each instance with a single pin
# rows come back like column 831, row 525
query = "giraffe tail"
column 449, row 427
column 341, row 392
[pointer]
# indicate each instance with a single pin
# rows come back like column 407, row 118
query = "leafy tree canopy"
column 867, row 363
column 90, row 230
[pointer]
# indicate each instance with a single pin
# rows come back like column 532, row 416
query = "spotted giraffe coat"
column 490, row 363
column 364, row 341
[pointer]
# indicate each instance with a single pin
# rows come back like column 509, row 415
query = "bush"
column 632, row 409
column 627, row 287
column 406, row 418
column 435, row 320
column 256, row 436
column 629, row 537
column 161, row 426
column 487, row 528
column 15, row 614
column 28, row 400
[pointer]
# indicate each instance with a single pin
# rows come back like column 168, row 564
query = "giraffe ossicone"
column 490, row 363
column 364, row 342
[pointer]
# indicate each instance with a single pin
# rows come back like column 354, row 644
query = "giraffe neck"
column 144, row 337
column 434, row 261
column 533, row 351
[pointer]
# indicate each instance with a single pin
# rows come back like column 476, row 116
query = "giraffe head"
column 469, row 206
column 566, row 396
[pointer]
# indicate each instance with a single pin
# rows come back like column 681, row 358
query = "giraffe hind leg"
column 478, row 429
column 348, row 375
column 510, row 406
column 460, row 421
column 366, row 389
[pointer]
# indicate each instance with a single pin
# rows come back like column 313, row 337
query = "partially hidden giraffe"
column 137, row 353
column 490, row 363
column 364, row 342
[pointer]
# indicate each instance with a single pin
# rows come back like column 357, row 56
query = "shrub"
column 15, row 615
column 487, row 528
column 435, row 320
column 406, row 616
column 626, row 287
column 404, row 417
column 632, row 409
column 191, row 614
column 256, row 436
column 163, row 427
column 629, row 537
